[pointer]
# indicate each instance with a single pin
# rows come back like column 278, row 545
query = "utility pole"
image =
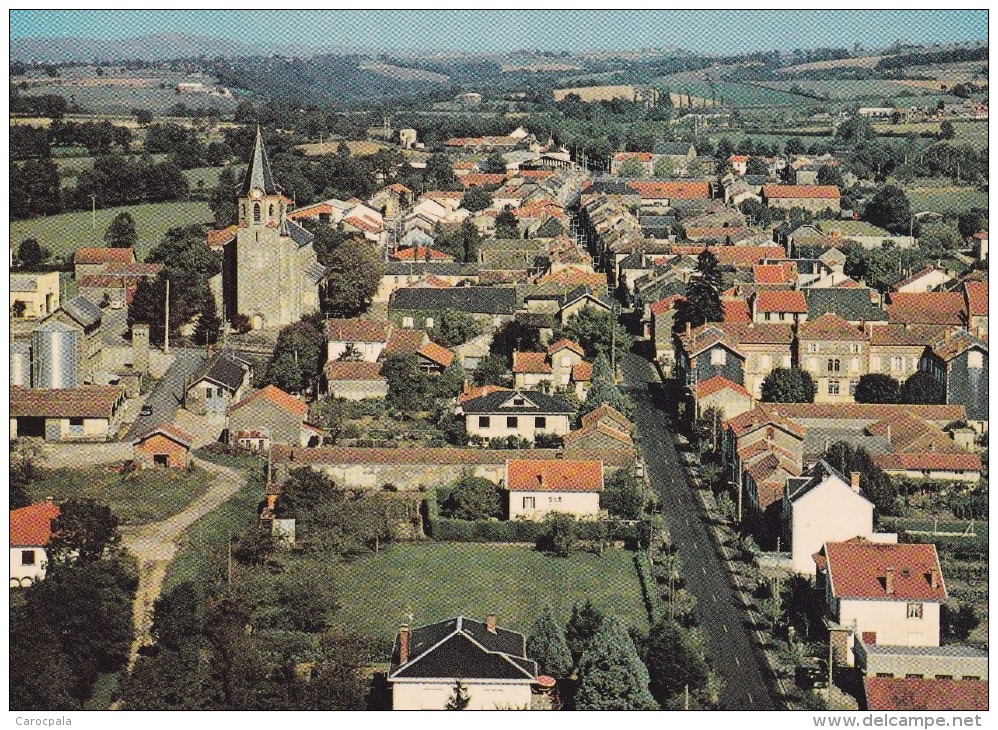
column 228, row 573
column 166, row 321
column 613, row 344
column 93, row 212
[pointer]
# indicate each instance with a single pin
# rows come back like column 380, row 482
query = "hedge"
column 649, row 589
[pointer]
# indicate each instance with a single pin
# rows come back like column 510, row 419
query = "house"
column 778, row 306
column 824, row 506
column 927, row 279
column 663, row 314
column 433, row 359
column 30, row 533
column 730, row 399
column 975, row 297
column 401, row 274
column 835, row 353
column 165, row 445
column 598, row 436
column 93, row 260
column 278, row 416
column 919, row 694
column 365, row 337
column 562, row 367
column 854, row 305
column 959, row 362
column 526, row 414
column 85, row 413
column 815, row 198
column 418, row 308
column 880, row 593
column 538, row 488
column 927, row 308
column 355, row 380
column 34, row 295
column 219, row 383
column 947, row 662
column 896, row 349
column 490, row 662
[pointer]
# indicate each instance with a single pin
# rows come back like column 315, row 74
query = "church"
column 270, row 272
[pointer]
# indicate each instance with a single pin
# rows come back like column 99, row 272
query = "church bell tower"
column 259, row 198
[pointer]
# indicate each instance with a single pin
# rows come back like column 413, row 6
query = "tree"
column 547, row 646
column 877, row 388
column 84, row 531
column 703, row 295
column 459, row 699
column 946, row 130
column 26, row 457
column 407, row 386
column 455, row 327
column 631, row 168
column 121, row 233
column 472, row 498
column 756, row 166
column 353, row 275
column 561, row 532
column 611, row 675
column 494, row 164
column 582, row 626
column 889, row 209
column 595, row 329
column 830, row 175
column 923, row 389
column 794, row 146
column 674, row 662
column 602, row 390
column 209, row 324
column 507, row 225
column 222, row 199
column 143, row 117
column 492, row 370
column 788, row 385
column 972, row 221
column 476, row 199
column 878, row 486
column 298, row 357
column 937, row 239
column 623, row 496
column 29, row 253
column 664, row 167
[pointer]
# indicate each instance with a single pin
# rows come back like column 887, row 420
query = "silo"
column 55, row 347
column 20, row 364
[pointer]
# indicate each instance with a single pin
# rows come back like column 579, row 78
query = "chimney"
column 889, row 582
column 490, row 623
column 291, row 457
column 403, row 643
column 934, row 577
column 540, row 480
column 854, row 481
column 271, row 501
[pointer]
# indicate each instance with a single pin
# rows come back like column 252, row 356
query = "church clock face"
column 257, row 193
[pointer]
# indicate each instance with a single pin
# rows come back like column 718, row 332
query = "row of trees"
column 793, row 385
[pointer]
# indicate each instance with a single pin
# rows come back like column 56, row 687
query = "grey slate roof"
column 258, row 173
column 819, row 471
column 672, row 148
column 222, row 369
column 463, row 648
column 473, row 299
column 853, row 305
column 535, row 403
column 947, row 650
column 300, row 235
column 454, row 268
column 314, row 272
column 24, row 282
column 610, row 187
column 82, row 310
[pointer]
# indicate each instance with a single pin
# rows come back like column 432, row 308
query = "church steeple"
column 258, row 175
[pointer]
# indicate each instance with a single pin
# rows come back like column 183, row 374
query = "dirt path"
column 155, row 544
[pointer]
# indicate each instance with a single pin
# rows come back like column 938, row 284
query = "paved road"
column 732, row 652
column 165, row 397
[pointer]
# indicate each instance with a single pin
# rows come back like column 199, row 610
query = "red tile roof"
column 31, row 526
column 582, row 372
column 715, row 233
column 481, row 179
column 560, row 475
column 220, row 236
column 285, row 401
column 671, row 190
column 86, row 401
column 931, row 461
column 312, row 211
column 916, row 335
column 436, row 353
column 783, row 273
column 564, row 343
column 858, row 569
column 977, row 298
column 352, row 370
column 639, row 156
column 736, row 311
column 421, row 253
column 593, row 428
column 781, row 301
column 358, row 330
column 741, row 257
column 926, row 308
column 530, row 362
column 606, row 412
column 430, row 455
column 404, row 342
column 470, row 392
column 666, row 303
column 715, row 384
column 800, row 191
column 573, row 277
column 830, row 326
column 103, row 255
column 132, row 269
column 921, row 694
column 363, row 224
column 399, row 188
column 170, row 431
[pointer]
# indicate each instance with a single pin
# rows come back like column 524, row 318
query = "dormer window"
column 256, row 212
column 519, row 401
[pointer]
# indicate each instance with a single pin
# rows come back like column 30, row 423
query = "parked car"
column 146, row 410
column 812, row 673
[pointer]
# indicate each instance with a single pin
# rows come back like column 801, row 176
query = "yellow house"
column 34, row 296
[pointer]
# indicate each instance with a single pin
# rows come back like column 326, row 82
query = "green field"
column 946, row 199
column 437, row 580
column 738, row 94
column 64, row 233
column 208, row 176
column 144, row 496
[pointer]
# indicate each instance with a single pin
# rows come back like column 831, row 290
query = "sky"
column 714, row 31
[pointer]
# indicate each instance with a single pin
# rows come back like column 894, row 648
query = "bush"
column 472, row 498
column 560, row 534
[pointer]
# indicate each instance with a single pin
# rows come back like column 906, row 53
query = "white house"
column 538, row 488
column 823, row 506
column 929, row 278
column 880, row 593
column 516, row 413
column 367, row 337
column 30, row 532
column 490, row 662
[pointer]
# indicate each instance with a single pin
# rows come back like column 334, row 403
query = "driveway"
column 165, row 397
column 731, row 650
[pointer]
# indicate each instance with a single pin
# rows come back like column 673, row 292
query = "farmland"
column 946, row 199
column 63, row 234
column 740, row 94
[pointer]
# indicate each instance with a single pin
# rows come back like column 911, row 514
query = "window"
column 944, row 676
column 519, row 401
column 528, row 503
column 834, row 365
column 812, row 346
column 540, row 422
column 975, row 359
column 512, row 422
column 783, row 316
column 885, row 674
column 768, row 316
column 244, row 210
column 256, row 212
column 914, row 610
column 407, row 322
column 914, row 676
column 27, row 557
column 854, row 348
column 852, row 387
column 76, row 422
column 765, row 363
column 554, row 500
column 897, row 363
column 718, row 356
column 270, row 211
column 875, row 364
column 833, row 387
column 484, row 421
column 429, row 323
column 161, row 459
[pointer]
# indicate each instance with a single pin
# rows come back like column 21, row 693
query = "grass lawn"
column 437, row 580
column 136, row 498
column 943, row 199
column 206, row 175
column 64, row 233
